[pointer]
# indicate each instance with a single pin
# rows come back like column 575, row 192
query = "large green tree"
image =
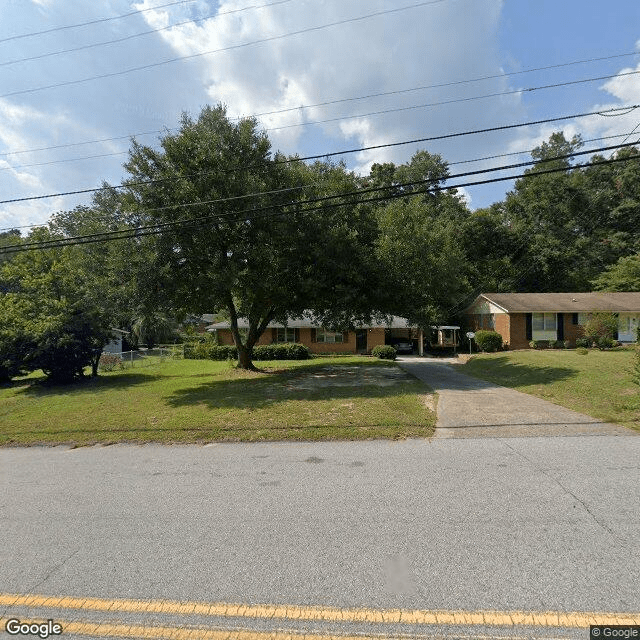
column 48, row 319
column 624, row 275
column 249, row 242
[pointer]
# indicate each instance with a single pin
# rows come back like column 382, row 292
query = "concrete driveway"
column 472, row 408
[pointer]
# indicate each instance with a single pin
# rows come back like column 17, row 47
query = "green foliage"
column 604, row 342
column 256, row 266
column 153, row 327
column 209, row 351
column 284, row 351
column 582, row 351
column 635, row 374
column 424, row 264
column 488, row 341
column 600, row 326
column 535, row 344
column 583, row 342
column 624, row 275
column 384, row 352
column 50, row 319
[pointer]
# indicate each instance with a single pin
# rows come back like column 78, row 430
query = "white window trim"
column 549, row 329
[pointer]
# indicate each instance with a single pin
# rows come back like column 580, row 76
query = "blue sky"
column 405, row 47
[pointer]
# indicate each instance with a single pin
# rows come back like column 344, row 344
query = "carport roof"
column 563, row 302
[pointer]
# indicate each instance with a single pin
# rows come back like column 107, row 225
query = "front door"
column 361, row 340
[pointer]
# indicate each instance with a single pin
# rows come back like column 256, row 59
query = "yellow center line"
column 326, row 614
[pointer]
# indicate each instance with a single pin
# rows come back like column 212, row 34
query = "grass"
column 598, row 384
column 203, row 401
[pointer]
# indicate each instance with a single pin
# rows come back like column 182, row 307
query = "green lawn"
column 597, row 384
column 203, row 401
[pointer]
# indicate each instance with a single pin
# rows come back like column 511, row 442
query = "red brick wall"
column 518, row 331
column 571, row 331
column 502, row 326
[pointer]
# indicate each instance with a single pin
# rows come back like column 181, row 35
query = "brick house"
column 321, row 340
column 522, row 317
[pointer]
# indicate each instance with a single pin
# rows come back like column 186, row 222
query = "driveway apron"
column 472, row 408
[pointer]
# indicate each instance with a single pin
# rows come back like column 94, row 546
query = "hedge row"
column 284, row 351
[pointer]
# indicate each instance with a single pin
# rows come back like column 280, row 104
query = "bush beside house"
column 489, row 341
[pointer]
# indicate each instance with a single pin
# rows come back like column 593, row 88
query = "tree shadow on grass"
column 502, row 371
column 307, row 383
column 41, row 387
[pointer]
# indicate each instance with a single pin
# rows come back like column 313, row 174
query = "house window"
column 286, row 335
column 544, row 326
column 487, row 321
column 582, row 319
column 322, row 335
column 624, row 324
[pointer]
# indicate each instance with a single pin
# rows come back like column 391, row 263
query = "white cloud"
column 396, row 51
column 624, row 88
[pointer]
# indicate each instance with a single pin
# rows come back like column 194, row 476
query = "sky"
column 71, row 97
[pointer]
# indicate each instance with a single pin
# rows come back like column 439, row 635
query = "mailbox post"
column 471, row 335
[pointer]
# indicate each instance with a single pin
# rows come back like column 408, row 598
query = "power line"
column 366, row 190
column 143, row 33
column 191, row 56
column 338, row 153
column 336, row 101
column 263, row 193
column 455, row 101
column 386, row 111
column 96, row 21
column 161, row 227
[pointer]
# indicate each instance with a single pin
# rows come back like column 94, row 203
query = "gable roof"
column 563, row 302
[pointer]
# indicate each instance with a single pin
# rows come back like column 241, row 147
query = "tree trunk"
column 244, row 358
column 94, row 363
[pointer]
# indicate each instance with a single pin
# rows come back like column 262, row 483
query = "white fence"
column 145, row 357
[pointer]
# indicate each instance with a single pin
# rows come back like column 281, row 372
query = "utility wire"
column 142, row 33
column 161, row 227
column 336, row 101
column 455, row 101
column 311, row 185
column 192, row 56
column 335, row 153
column 386, row 111
column 360, row 191
column 96, row 21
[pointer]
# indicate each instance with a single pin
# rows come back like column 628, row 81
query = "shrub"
column 601, row 325
column 555, row 344
column 604, row 342
column 635, row 374
column 583, row 343
column 534, row 344
column 282, row 351
column 109, row 362
column 488, row 340
column 565, row 345
column 384, row 352
column 582, row 351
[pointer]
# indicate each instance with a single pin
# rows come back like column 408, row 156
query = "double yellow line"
column 555, row 619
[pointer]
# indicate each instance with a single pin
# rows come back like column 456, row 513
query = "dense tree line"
column 266, row 237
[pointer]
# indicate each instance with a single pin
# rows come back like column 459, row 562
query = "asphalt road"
column 506, row 524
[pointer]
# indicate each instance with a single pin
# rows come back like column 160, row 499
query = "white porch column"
column 420, row 343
